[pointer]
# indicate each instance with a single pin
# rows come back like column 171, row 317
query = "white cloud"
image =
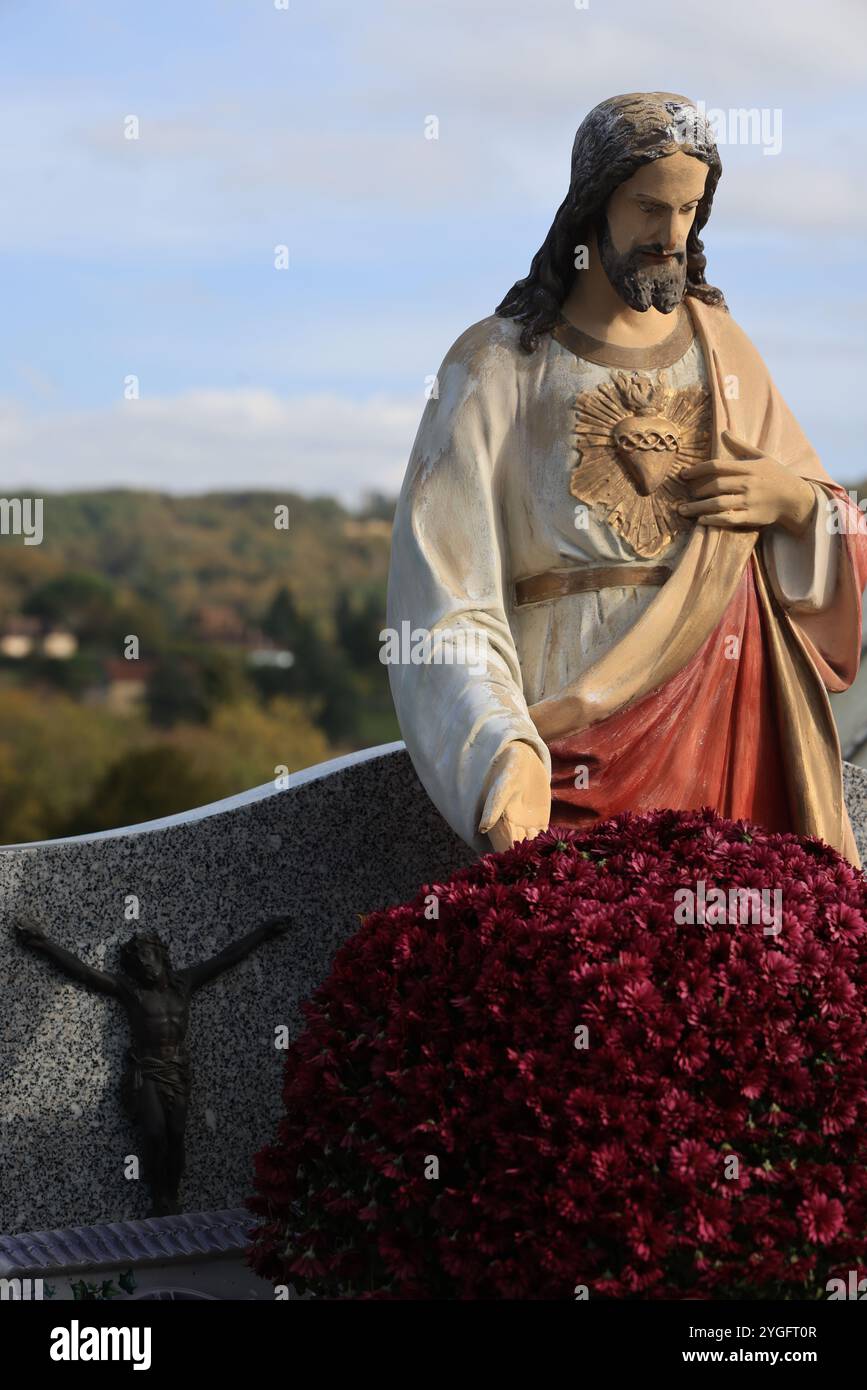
column 317, row 444
column 397, row 243
column 214, row 440
column 214, row 175
column 515, row 58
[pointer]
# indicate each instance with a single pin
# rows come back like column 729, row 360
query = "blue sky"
column 262, row 126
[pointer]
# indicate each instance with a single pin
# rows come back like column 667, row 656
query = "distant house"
column 219, row 624
column 367, row 528
column 269, row 654
column 123, row 687
column 223, row 627
column 22, row 636
column 59, row 645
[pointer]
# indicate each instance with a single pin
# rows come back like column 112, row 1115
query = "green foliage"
column 189, row 682
column 90, row 742
column 89, row 1293
column 52, row 751
column 82, row 601
column 145, row 784
column 177, row 553
column 285, row 625
column 358, row 628
column 83, row 1292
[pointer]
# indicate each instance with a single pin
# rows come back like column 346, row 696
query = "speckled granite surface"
column 327, row 848
column 855, row 792
column 340, row 840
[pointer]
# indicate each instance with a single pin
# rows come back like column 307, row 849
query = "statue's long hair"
column 613, row 141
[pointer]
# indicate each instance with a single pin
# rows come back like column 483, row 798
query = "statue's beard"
column 641, row 284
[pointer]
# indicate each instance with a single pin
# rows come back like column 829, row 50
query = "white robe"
column 486, row 501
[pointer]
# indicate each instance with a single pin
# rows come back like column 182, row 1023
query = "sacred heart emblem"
column 646, row 445
column 634, row 437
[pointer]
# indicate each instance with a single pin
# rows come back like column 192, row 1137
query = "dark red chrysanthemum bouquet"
column 622, row 1062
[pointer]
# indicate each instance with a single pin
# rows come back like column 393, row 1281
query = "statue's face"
column 148, row 963
column 642, row 243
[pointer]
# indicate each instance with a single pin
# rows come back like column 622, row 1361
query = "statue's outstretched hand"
column 278, row 926
column 518, row 804
column 29, row 934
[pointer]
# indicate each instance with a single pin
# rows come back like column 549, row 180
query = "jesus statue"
column 609, row 496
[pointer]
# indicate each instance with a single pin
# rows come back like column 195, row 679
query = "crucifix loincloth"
column 170, row 1075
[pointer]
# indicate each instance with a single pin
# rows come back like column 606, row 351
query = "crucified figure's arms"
column 196, row 975
column 33, row 936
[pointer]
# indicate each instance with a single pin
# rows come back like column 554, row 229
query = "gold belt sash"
column 537, row 588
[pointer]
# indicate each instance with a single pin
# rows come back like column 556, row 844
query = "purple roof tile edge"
column 154, row 1240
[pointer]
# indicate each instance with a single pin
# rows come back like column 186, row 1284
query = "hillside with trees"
column 159, row 652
